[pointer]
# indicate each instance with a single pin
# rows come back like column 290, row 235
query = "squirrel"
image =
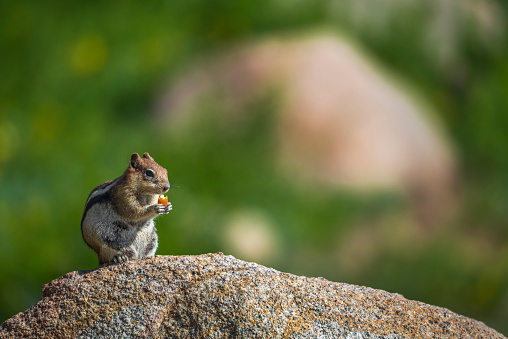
column 117, row 222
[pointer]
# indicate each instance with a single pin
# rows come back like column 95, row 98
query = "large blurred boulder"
column 217, row 296
column 341, row 121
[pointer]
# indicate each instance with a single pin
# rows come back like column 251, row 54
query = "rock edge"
column 218, row 296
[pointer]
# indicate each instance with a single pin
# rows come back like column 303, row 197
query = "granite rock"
column 218, row 296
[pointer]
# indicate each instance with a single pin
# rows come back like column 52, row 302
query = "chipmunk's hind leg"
column 110, row 255
column 124, row 255
column 151, row 246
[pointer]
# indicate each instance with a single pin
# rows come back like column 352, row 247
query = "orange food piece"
column 163, row 200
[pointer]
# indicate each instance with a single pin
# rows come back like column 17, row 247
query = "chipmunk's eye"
column 149, row 173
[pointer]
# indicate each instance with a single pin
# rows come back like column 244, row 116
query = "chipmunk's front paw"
column 168, row 208
column 159, row 209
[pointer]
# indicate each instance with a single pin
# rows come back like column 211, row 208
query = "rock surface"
column 218, row 296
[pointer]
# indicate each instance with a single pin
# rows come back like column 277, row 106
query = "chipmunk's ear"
column 134, row 160
column 147, row 156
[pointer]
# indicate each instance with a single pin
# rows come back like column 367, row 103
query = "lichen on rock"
column 218, row 296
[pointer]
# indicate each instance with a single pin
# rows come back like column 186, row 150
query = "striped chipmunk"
column 118, row 221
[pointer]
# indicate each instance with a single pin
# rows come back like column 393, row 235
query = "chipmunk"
column 118, row 219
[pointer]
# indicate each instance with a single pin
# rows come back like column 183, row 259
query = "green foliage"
column 77, row 84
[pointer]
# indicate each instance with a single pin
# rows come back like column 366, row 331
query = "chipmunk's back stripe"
column 105, row 186
column 99, row 195
column 100, row 198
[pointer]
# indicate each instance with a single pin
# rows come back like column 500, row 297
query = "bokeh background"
column 362, row 142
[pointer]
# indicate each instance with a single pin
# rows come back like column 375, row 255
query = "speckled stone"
column 218, row 296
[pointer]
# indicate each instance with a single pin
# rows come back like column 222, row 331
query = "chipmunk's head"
column 150, row 177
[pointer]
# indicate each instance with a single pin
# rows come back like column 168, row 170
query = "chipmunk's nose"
column 166, row 187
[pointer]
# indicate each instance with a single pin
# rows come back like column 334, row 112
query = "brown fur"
column 132, row 195
column 118, row 219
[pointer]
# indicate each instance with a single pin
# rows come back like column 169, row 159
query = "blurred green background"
column 78, row 82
